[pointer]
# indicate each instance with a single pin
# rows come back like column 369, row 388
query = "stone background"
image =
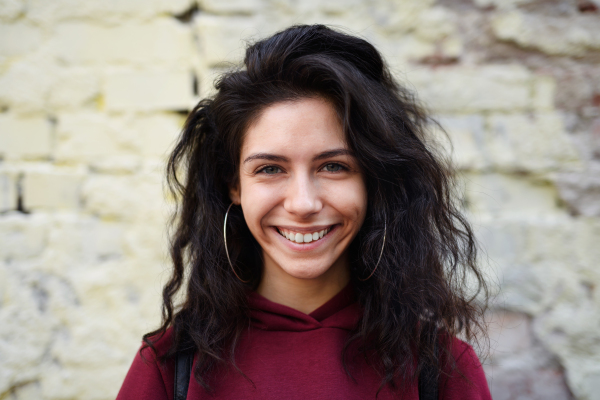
column 93, row 93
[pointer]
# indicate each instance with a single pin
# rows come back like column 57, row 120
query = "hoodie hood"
column 341, row 311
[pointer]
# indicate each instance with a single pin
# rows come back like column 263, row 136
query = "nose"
column 303, row 196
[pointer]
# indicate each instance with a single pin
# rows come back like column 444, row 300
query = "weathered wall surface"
column 92, row 94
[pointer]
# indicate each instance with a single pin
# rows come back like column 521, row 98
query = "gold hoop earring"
column 380, row 254
column 225, row 240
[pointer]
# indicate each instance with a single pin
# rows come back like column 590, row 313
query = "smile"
column 298, row 237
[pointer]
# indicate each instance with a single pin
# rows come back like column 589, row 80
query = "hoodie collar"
column 341, row 311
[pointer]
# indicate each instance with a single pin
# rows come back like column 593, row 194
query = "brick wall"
column 93, row 93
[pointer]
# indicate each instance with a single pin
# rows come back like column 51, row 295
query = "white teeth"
column 303, row 238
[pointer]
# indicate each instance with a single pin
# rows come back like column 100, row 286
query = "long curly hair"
column 427, row 283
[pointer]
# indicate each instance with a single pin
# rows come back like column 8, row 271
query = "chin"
column 305, row 271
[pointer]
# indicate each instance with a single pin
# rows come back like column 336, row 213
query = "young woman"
column 318, row 245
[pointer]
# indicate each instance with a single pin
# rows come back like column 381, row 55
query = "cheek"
column 354, row 202
column 257, row 201
column 360, row 202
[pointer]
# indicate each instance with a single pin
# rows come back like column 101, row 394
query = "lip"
column 302, row 247
column 310, row 229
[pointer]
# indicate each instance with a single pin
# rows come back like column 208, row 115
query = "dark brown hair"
column 419, row 290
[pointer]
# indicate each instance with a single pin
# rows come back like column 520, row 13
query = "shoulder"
column 463, row 377
column 148, row 378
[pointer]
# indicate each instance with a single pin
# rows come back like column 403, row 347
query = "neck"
column 304, row 295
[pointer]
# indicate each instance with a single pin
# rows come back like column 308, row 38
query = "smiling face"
column 301, row 190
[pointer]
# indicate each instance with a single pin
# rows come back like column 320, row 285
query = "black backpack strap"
column 183, row 371
column 428, row 379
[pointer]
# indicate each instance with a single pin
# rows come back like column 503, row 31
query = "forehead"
column 306, row 126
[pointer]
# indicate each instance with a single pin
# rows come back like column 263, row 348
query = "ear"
column 234, row 194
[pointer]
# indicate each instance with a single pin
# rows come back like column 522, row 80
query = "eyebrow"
column 320, row 156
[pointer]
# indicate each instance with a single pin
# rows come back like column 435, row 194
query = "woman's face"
column 301, row 190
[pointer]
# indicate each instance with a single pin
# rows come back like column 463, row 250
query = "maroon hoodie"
column 287, row 354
